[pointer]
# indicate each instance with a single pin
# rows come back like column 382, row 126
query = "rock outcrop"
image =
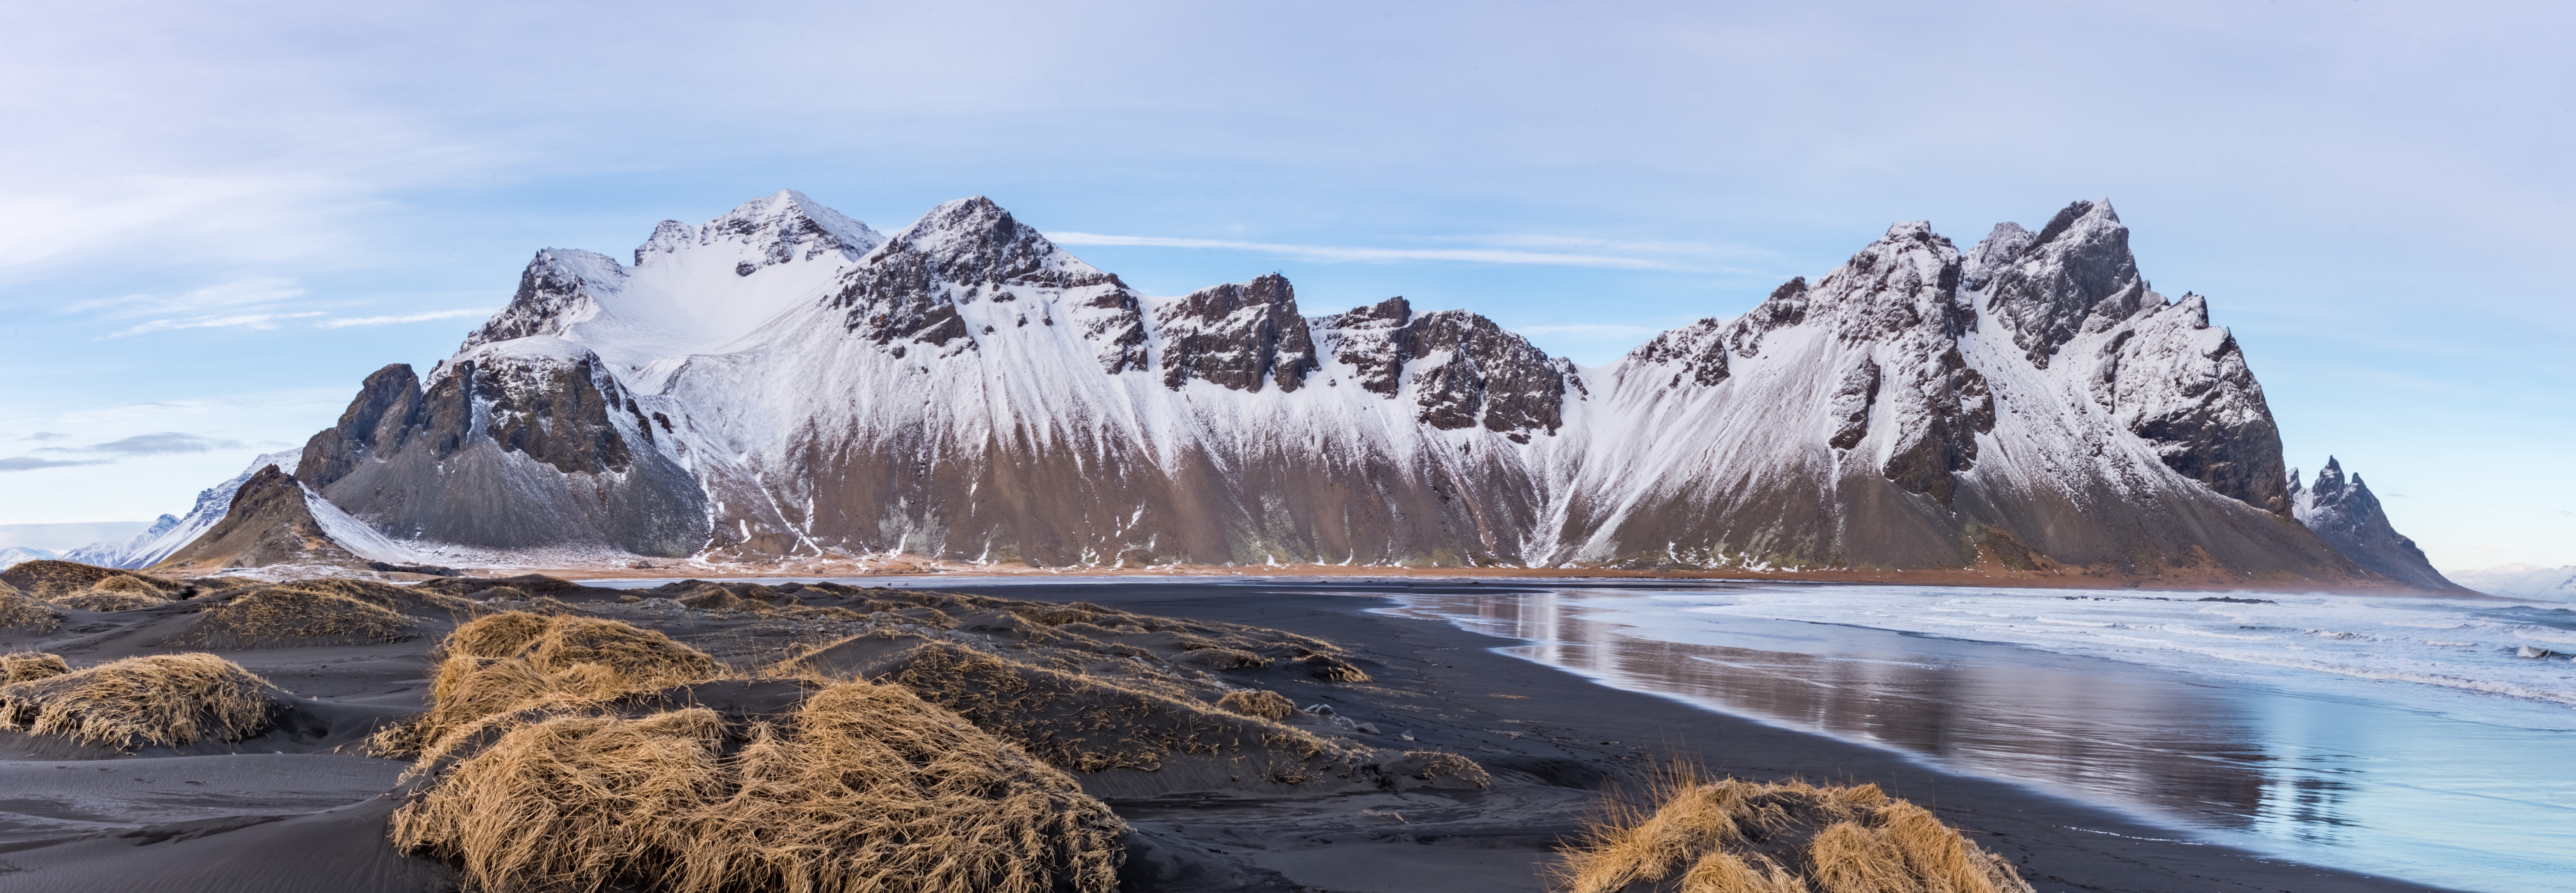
column 268, row 523
column 2345, row 514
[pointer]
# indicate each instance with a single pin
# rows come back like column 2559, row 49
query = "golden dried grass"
column 163, row 700
column 1080, row 722
column 516, row 661
column 1257, row 703
column 297, row 615
column 1728, row 836
column 51, row 579
column 28, row 666
column 111, row 601
column 866, row 788
column 26, row 613
column 1443, row 764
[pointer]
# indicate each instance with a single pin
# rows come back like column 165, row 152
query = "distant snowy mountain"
column 12, row 556
column 169, row 534
column 2345, row 514
column 2522, row 581
column 787, row 381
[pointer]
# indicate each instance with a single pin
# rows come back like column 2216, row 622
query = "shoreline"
column 1530, row 718
column 934, row 570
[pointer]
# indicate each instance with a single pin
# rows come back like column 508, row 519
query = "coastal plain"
column 305, row 804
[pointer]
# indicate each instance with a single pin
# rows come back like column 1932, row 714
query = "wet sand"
column 296, row 810
column 1553, row 739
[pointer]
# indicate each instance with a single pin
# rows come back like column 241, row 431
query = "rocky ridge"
column 2345, row 514
column 965, row 389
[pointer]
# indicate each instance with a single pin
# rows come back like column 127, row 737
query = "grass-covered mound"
column 29, row 666
column 1730, row 836
column 163, row 700
column 23, row 613
column 573, row 753
column 53, row 581
column 295, row 615
column 517, row 661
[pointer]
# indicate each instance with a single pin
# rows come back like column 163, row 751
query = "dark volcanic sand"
column 283, row 812
column 1572, row 733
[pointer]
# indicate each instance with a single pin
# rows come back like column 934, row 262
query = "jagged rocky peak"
column 388, row 410
column 1463, row 370
column 1240, row 335
column 558, row 288
column 2343, row 512
column 779, row 228
column 1372, row 340
column 908, row 290
column 2075, row 275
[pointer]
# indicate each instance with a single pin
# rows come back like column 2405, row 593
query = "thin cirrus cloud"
column 392, row 320
column 1342, row 254
column 163, row 443
column 237, row 321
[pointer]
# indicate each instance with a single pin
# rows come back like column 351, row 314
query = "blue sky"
column 214, row 222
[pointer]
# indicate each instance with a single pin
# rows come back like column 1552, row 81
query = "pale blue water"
column 2392, row 736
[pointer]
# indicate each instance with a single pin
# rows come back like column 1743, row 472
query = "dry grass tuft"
column 49, row 580
column 162, row 700
column 1258, row 703
column 28, row 666
column 1730, row 836
column 1437, row 764
column 297, row 615
column 515, row 661
column 1333, row 669
column 26, row 613
column 866, row 788
column 111, row 601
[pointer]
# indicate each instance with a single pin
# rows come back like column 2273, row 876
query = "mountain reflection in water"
column 2309, row 773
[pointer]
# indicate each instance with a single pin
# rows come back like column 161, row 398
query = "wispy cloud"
column 241, row 321
column 31, row 463
column 256, row 291
column 390, row 320
column 160, row 444
column 47, row 435
column 1341, row 254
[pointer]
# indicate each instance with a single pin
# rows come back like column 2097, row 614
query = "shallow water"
column 2394, row 736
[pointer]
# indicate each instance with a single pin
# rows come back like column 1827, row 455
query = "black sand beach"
column 294, row 809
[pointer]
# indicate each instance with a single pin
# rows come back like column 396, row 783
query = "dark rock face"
column 1238, row 335
column 907, row 290
column 1469, row 371
column 553, row 288
column 267, row 524
column 389, row 408
column 1374, row 340
column 510, row 451
column 2047, row 286
column 2344, row 513
column 1854, row 394
column 2183, row 386
column 1465, row 370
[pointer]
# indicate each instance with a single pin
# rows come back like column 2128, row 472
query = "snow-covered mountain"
column 12, row 556
column 168, row 534
column 786, row 381
column 2522, row 581
column 2347, row 516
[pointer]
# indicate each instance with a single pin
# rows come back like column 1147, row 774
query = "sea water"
column 2402, row 737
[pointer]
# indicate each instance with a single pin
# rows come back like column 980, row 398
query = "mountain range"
column 784, row 381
